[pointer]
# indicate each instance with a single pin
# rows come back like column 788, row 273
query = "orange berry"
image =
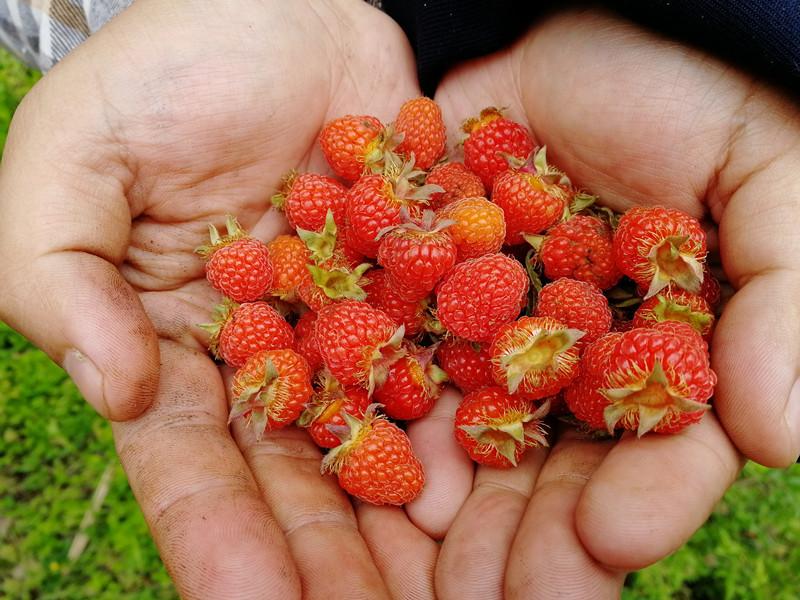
column 479, row 227
column 289, row 258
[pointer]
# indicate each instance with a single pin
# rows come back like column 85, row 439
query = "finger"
column 216, row 536
column 314, row 513
column 755, row 349
column 474, row 554
column 448, row 469
column 547, row 559
column 756, row 353
column 404, row 555
column 64, row 226
column 650, row 495
column 488, row 87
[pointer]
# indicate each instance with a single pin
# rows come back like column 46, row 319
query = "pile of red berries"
column 416, row 271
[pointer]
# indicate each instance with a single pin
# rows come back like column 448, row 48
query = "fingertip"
column 448, row 470
column 130, row 391
column 757, row 358
column 650, row 495
column 112, row 399
column 112, row 346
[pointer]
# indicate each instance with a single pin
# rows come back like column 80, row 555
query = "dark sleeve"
column 760, row 35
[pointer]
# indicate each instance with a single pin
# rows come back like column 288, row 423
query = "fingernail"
column 793, row 412
column 88, row 379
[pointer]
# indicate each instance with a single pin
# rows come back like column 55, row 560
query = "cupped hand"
column 641, row 120
column 174, row 115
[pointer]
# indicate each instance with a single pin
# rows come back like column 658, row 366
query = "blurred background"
column 70, row 527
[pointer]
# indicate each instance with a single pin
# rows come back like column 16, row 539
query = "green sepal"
column 321, row 244
column 278, row 200
column 235, row 232
column 535, row 240
column 383, row 358
column 581, row 201
column 222, row 313
column 673, row 265
column 517, row 365
column 531, row 264
column 340, row 283
column 666, row 308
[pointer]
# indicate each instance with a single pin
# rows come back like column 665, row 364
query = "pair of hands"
column 180, row 112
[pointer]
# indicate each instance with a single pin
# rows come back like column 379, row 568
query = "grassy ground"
column 70, row 528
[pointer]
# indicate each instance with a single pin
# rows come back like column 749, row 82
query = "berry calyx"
column 646, row 400
column 657, row 246
column 535, row 356
column 327, row 408
column 270, row 390
column 676, row 305
column 496, row 428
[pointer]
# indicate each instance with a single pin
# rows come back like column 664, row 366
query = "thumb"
column 64, row 226
column 756, row 347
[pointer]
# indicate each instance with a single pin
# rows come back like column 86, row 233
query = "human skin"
column 175, row 114
column 120, row 157
column 641, row 120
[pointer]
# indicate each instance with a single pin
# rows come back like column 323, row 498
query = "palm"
column 209, row 130
column 637, row 121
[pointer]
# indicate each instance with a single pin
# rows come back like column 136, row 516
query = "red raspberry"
column 481, row 295
column 535, row 356
column 580, row 248
column 306, row 340
column 420, row 122
column 358, row 343
column 416, row 257
column 656, row 246
column 289, row 257
column 327, row 407
column 413, row 385
column 374, row 202
column 578, row 305
column 241, row 330
column 238, row 265
column 457, row 181
column 654, row 379
column 306, row 199
column 380, row 295
column 479, row 227
column 376, row 463
column 491, row 138
column 468, row 364
column 495, row 428
column 530, row 204
column 270, row 390
column 350, row 144
column 582, row 395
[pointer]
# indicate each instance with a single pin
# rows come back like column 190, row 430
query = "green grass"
column 15, row 81
column 56, row 450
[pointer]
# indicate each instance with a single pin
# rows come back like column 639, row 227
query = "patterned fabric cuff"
column 42, row 32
